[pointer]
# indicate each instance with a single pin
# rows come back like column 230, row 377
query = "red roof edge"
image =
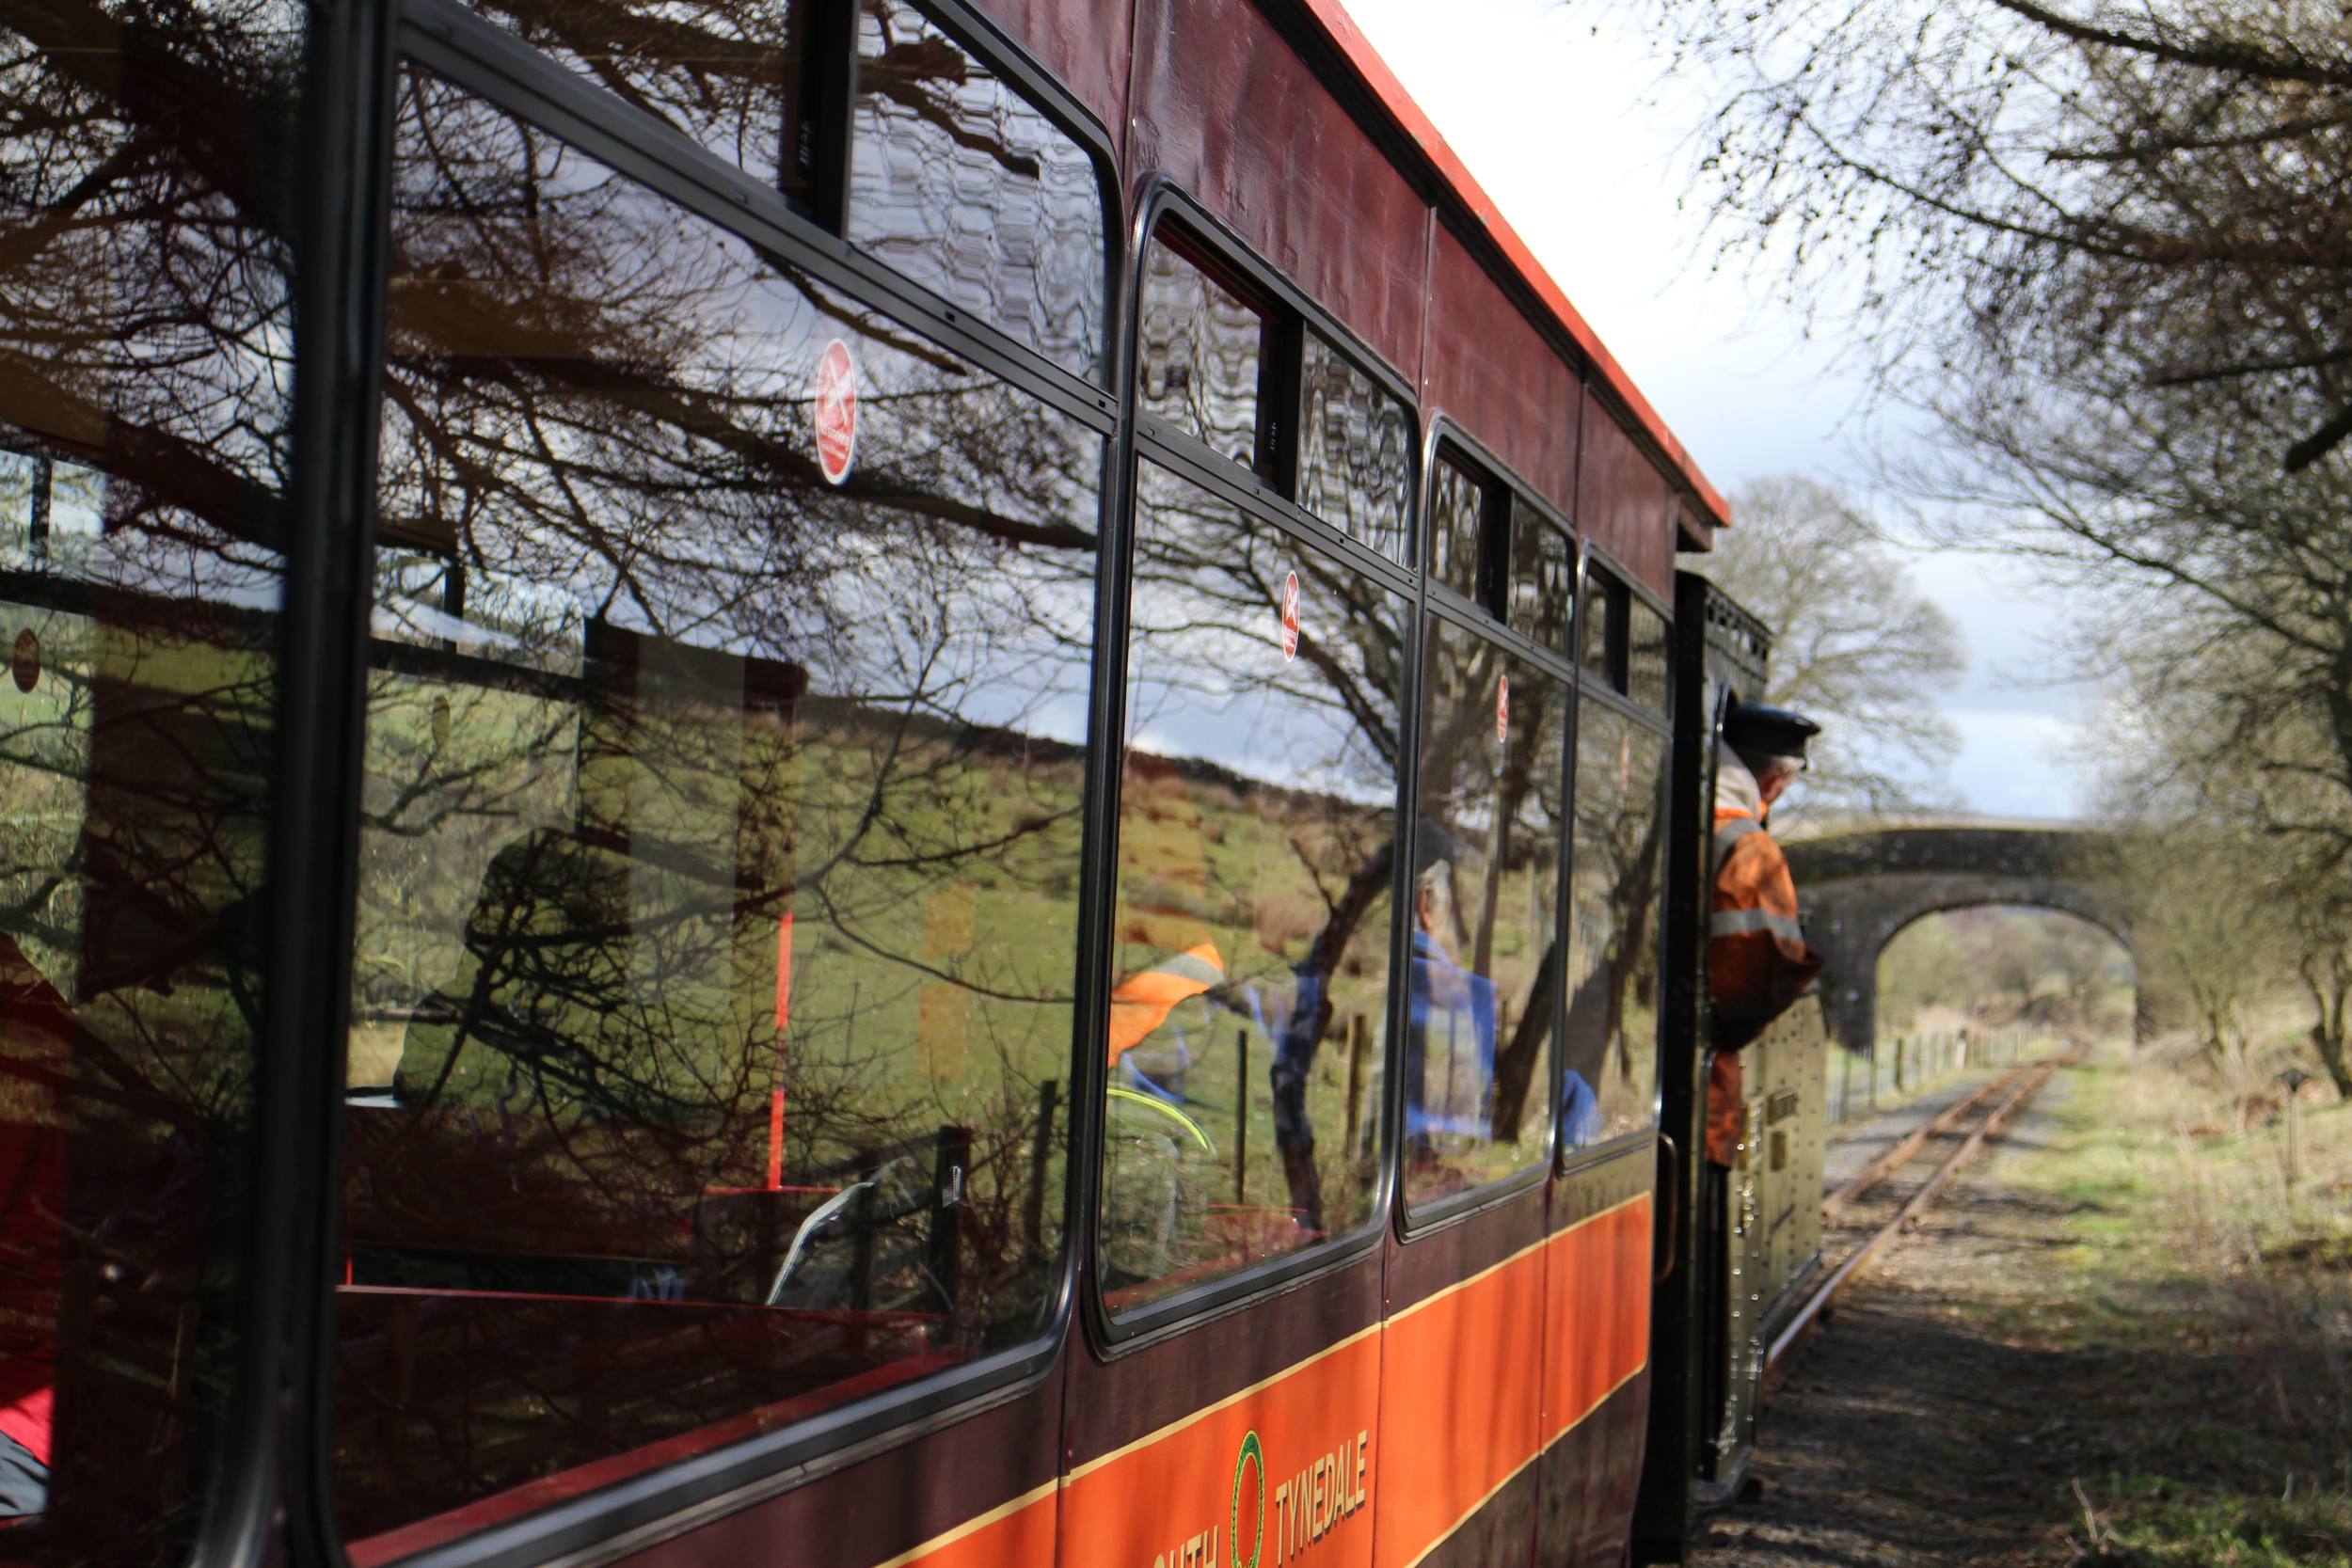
column 1350, row 41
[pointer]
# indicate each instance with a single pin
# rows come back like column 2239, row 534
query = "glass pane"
column 956, row 181
column 1606, row 605
column 1248, row 1028
column 1645, row 673
column 1355, row 452
column 1485, row 895
column 1456, row 510
column 146, row 344
column 1199, row 348
column 1610, row 1047
column 1543, row 578
column 718, row 904
column 727, row 74
column 963, row 186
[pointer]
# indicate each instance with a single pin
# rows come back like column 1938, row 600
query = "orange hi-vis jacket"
column 1143, row 1001
column 1757, row 962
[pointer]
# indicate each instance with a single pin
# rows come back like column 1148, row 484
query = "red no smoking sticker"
column 1503, row 711
column 835, row 411
column 1290, row 617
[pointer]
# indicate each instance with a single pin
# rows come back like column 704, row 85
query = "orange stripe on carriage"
column 1430, row 1414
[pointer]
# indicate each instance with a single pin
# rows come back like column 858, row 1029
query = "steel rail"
column 1877, row 1170
column 1860, row 1258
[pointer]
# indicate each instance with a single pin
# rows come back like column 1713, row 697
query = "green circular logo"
column 1251, row 1454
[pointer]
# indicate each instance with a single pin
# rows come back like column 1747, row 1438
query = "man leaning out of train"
column 1757, row 957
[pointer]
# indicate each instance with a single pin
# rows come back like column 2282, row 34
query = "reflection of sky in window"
column 1355, row 452
column 1208, row 677
column 976, row 195
column 718, row 534
column 1263, row 733
column 1198, row 351
column 73, row 542
column 504, row 617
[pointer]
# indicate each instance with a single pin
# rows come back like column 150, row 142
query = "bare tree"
column 2227, row 788
column 1856, row 645
column 2102, row 247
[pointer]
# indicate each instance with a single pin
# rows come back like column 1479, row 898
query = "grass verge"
column 2196, row 1307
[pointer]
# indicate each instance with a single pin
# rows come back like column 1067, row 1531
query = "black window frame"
column 484, row 59
column 1146, row 439
column 1614, row 593
column 1446, row 440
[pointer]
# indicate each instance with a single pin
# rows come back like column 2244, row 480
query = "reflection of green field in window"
column 1257, row 874
column 169, row 834
column 931, row 879
column 44, row 768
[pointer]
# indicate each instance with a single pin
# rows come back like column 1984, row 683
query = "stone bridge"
column 1856, row 890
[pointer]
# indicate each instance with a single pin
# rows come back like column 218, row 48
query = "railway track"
column 1962, row 1126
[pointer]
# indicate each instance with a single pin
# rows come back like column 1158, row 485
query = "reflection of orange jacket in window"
column 1143, row 1001
column 1757, row 960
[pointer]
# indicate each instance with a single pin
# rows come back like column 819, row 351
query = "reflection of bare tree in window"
column 1609, row 1042
column 723, row 827
column 1301, row 751
column 1490, row 782
column 954, row 178
column 145, row 361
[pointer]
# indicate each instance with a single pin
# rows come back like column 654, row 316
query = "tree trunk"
column 2329, row 981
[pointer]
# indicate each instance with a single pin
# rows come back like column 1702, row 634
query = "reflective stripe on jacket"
column 1757, row 957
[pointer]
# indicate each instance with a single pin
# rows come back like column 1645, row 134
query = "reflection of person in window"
column 36, row 1027
column 1579, row 1110
column 1450, row 1049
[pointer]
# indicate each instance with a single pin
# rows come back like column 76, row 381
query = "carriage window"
column 1257, row 809
column 1482, row 918
column 1645, row 655
column 1355, row 452
column 1609, row 1046
column 960, row 184
column 739, row 78
column 1543, row 578
column 952, row 175
column 1201, row 350
column 718, row 902
column 146, row 322
column 1456, row 526
column 1608, row 610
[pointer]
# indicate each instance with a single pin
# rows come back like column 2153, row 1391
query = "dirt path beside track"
column 2094, row 1317
column 1910, row 1430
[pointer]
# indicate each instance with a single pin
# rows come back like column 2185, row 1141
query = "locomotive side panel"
column 1772, row 1223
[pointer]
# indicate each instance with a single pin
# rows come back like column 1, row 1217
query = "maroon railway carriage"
column 812, row 782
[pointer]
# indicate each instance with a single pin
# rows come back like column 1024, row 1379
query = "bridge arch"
column 1856, row 890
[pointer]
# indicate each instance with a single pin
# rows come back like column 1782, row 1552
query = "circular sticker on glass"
column 1290, row 617
column 25, row 664
column 835, row 410
column 1503, row 711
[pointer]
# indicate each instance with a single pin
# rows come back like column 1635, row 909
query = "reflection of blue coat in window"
column 1450, row 1049
column 1579, row 1110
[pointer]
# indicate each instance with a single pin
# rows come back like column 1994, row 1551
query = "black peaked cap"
column 1774, row 732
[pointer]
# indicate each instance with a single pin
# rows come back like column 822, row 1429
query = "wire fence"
column 1907, row 1066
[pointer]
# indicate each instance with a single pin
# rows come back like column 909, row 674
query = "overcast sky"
column 1559, row 110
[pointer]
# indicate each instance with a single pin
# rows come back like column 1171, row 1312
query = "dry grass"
column 2212, row 1310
